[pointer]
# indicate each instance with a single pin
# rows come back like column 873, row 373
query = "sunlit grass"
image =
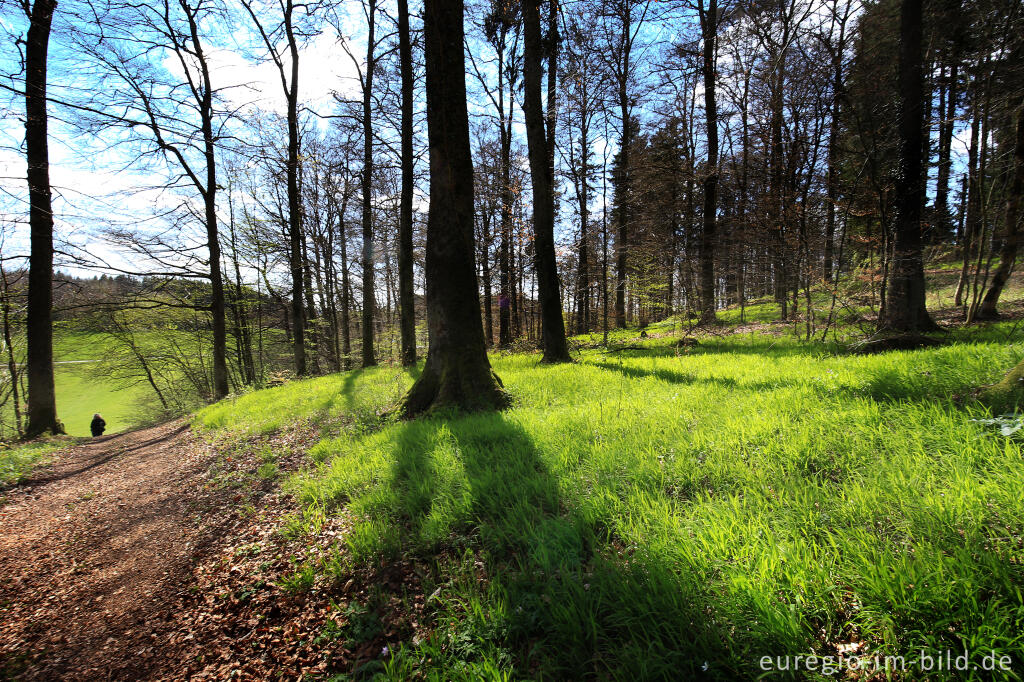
column 17, row 460
column 83, row 388
column 644, row 513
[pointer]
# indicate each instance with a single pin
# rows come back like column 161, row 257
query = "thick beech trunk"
column 295, row 236
column 553, row 327
column 42, row 401
column 457, row 373
column 369, row 300
column 709, row 23
column 905, row 297
column 406, row 301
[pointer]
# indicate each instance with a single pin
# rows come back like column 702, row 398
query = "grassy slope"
column 643, row 513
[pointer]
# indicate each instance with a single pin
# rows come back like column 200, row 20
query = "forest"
column 510, row 339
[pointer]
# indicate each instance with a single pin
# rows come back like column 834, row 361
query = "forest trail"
column 96, row 548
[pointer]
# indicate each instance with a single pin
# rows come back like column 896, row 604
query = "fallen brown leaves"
column 157, row 555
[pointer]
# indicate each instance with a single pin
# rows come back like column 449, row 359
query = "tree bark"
column 905, row 304
column 777, row 193
column 405, row 285
column 346, row 289
column 42, row 400
column 947, row 117
column 832, row 178
column 369, row 304
column 551, row 47
column 217, row 303
column 457, row 373
column 583, row 265
column 553, row 327
column 972, row 198
column 295, row 235
column 625, row 140
column 505, row 282
column 709, row 24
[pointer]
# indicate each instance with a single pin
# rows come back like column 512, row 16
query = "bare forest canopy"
column 251, row 181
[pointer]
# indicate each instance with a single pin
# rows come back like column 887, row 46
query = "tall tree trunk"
column 553, row 327
column 505, row 282
column 246, row 362
column 947, row 118
column 905, row 304
column 331, row 277
column 551, row 47
column 485, row 275
column 625, row 140
column 622, row 235
column 217, row 304
column 972, row 212
column 832, row 180
column 457, row 373
column 295, row 236
column 369, row 304
column 346, row 289
column 709, row 24
column 504, row 265
column 604, row 242
column 583, row 266
column 42, row 400
column 313, row 345
column 405, row 285
column 1011, row 228
column 777, row 194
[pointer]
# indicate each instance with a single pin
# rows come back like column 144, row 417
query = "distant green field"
column 83, row 390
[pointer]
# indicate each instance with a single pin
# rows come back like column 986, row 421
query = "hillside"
column 656, row 509
column 653, row 513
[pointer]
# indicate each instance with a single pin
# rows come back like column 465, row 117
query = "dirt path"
column 152, row 556
column 94, row 551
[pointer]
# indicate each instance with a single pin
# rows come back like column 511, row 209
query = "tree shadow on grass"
column 348, row 387
column 562, row 596
column 674, row 377
column 782, row 348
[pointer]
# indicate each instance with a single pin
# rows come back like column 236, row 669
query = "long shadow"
column 35, row 482
column 674, row 377
column 716, row 347
column 884, row 386
column 348, row 387
column 890, row 386
column 578, row 608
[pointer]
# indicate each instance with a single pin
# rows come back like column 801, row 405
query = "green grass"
column 647, row 514
column 18, row 459
column 83, row 389
column 80, row 394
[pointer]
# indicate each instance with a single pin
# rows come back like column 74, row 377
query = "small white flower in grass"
column 705, row 666
column 384, row 651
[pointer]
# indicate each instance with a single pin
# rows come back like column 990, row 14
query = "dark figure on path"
column 98, row 425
